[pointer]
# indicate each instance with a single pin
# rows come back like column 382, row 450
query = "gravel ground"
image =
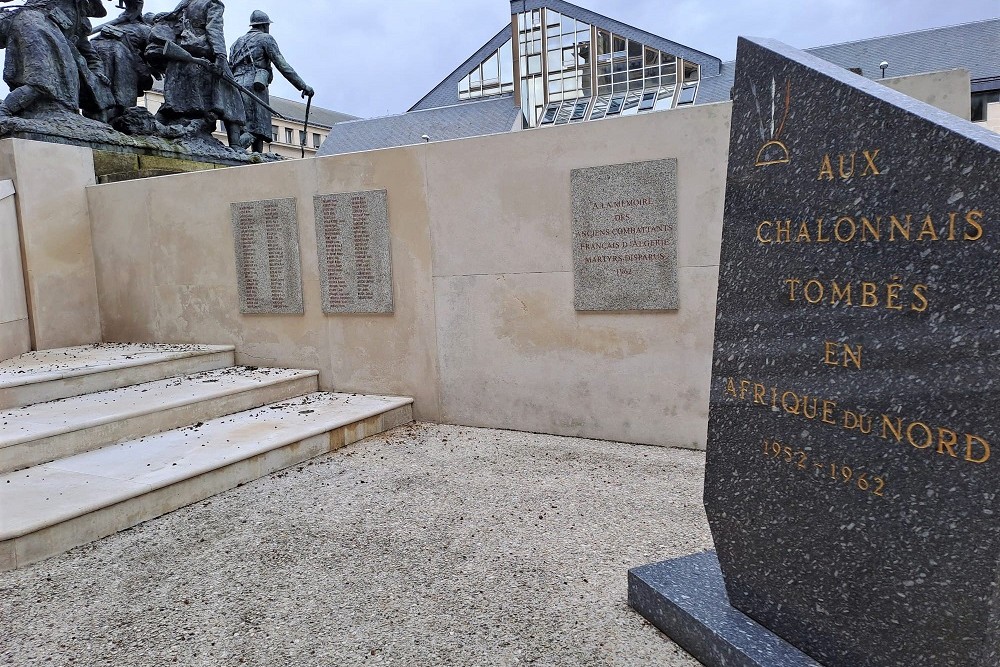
column 427, row 545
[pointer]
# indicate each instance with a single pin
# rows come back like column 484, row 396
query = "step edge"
column 13, row 544
column 98, row 370
column 13, row 442
column 285, row 441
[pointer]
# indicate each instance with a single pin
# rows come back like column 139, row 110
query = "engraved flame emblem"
column 774, row 151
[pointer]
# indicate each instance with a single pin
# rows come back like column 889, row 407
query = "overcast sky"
column 378, row 57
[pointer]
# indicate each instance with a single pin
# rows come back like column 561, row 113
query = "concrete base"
column 686, row 599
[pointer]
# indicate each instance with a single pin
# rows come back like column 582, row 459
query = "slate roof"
column 296, row 111
column 458, row 121
column 446, row 92
column 972, row 46
column 318, row 116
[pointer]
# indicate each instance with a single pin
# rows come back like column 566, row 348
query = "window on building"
column 317, row 140
column 592, row 73
column 493, row 76
column 687, row 96
column 980, row 103
column 302, row 137
column 274, row 133
column 289, row 136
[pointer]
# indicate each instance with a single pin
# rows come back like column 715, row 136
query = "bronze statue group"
column 57, row 62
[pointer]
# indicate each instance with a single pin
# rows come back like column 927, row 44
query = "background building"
column 557, row 63
column 287, row 134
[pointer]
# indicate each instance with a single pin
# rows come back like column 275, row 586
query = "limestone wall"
column 15, row 334
column 484, row 331
column 54, row 224
column 949, row 90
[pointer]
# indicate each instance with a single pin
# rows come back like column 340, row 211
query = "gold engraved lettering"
column 974, row 219
column 847, row 165
column 828, row 414
column 814, row 291
column 819, row 232
column 844, row 174
column 842, row 294
column 928, row 230
column 892, row 295
column 897, row 225
column 870, row 168
column 920, row 294
column 865, row 227
column 731, row 388
column 792, row 284
column 845, row 233
column 973, row 441
column 760, row 231
column 916, row 434
column 869, row 295
column 826, row 169
column 947, row 440
column 951, row 225
column 868, row 228
column 784, row 231
column 803, row 236
column 842, row 355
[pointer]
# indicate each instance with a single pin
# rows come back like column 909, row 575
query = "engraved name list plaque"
column 355, row 263
column 268, row 264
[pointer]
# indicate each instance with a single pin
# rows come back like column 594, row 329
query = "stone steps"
column 37, row 377
column 50, row 508
column 46, row 431
column 98, row 439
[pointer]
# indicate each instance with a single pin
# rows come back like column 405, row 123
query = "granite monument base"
column 686, row 599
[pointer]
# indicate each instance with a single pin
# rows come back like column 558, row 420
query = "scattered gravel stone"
column 426, row 546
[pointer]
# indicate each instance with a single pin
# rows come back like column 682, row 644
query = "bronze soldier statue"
column 50, row 65
column 198, row 90
column 252, row 56
column 121, row 44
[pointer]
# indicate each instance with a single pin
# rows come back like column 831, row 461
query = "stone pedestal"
column 686, row 599
column 15, row 335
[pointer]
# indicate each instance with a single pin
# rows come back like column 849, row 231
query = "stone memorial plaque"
column 625, row 236
column 355, row 263
column 854, row 450
column 268, row 264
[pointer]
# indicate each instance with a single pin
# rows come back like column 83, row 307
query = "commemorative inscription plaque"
column 625, row 236
column 352, row 232
column 268, row 264
column 852, row 476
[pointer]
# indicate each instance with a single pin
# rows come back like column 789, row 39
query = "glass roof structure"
column 569, row 70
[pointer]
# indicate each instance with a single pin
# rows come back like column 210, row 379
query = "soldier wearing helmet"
column 252, row 57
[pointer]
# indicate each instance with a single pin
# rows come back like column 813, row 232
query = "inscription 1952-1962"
column 268, row 264
column 625, row 236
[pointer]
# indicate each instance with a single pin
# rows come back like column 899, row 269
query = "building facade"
column 288, row 134
column 557, row 63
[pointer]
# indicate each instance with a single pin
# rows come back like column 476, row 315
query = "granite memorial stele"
column 853, row 462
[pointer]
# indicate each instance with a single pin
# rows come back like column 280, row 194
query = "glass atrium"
column 568, row 71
